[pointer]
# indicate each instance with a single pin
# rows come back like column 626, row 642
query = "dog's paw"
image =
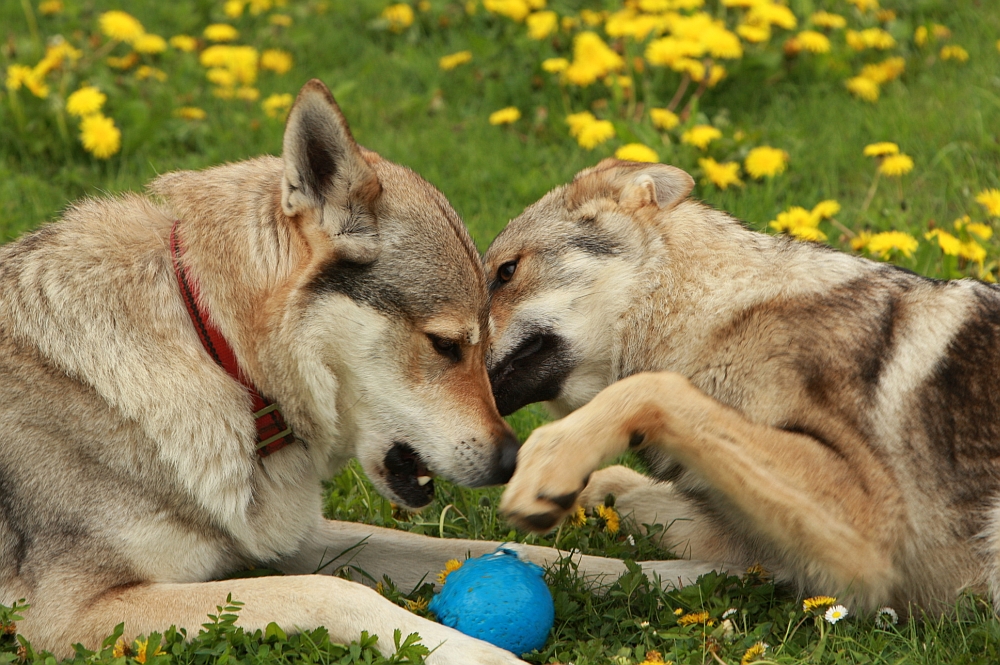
column 553, row 467
column 616, row 480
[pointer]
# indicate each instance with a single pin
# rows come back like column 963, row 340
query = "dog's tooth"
column 423, row 480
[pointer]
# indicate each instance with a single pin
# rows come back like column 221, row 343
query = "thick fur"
column 832, row 418
column 351, row 294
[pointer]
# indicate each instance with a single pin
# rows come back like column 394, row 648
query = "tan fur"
column 829, row 417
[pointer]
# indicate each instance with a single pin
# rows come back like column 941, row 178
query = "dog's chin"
column 407, row 476
column 534, row 371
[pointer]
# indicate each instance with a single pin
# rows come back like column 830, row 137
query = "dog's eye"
column 446, row 347
column 505, row 273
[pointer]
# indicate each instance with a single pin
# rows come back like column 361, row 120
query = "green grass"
column 399, row 103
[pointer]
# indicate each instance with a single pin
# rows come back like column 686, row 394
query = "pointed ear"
column 653, row 184
column 326, row 174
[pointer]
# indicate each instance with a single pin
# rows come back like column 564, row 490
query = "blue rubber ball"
column 499, row 599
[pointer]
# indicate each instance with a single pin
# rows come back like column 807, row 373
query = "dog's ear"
column 326, row 174
column 653, row 184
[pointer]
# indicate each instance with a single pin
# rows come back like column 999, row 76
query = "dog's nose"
column 507, row 457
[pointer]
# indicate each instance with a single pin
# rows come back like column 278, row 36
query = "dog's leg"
column 409, row 559
column 831, row 512
column 300, row 602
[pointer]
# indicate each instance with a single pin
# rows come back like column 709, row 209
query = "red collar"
column 272, row 432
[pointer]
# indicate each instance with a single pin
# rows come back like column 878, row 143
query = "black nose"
column 504, row 460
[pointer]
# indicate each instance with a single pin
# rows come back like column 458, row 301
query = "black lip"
column 403, row 465
column 534, row 371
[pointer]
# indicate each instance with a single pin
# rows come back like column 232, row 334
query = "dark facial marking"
column 565, row 501
column 532, row 372
column 541, row 522
column 364, row 284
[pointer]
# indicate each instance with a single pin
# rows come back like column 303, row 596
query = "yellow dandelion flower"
column 450, row 566
column 664, row 118
column 515, row 10
column 700, row 136
column 863, row 87
column 579, row 517
column 693, row 618
column 248, row 94
column 812, row 41
column 754, row 653
column 190, row 113
column 448, row 62
column 666, row 51
column 612, row 522
column 626, row 23
column 595, row 133
column 221, row 77
column 276, row 60
column 860, row 241
column 150, row 44
column 184, row 43
column 721, row 175
column 875, row 38
column 765, row 161
column 124, row 62
column 85, row 101
column 505, row 116
column 881, row 149
column 591, row 17
column 146, row 72
column 948, row 243
column 141, row 649
column 768, row 13
column 990, row 199
column 882, row 244
column 817, row 603
column 885, row 71
column 799, row 223
column 693, row 68
column 972, row 251
column 655, row 658
column 400, row 16
column 953, row 52
column 17, row 75
column 920, row 35
column 592, row 60
column 542, row 24
column 577, row 121
column 678, row 612
column 825, row 19
column 233, row 8
column 896, row 165
column 940, row 31
column 283, row 20
column 121, row 26
column 121, row 648
column 555, row 65
column 50, row 7
column 277, row 105
column 240, row 61
column 99, row 136
column 721, row 43
column 637, row 152
column 864, row 5
column 826, row 209
column 418, row 605
column 984, row 231
column 755, row 34
column 221, row 32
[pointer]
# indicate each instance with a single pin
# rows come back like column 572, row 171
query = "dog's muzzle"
column 533, row 372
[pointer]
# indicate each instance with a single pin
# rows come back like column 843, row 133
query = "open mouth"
column 408, row 476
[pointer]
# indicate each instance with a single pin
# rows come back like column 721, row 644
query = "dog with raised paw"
column 832, row 418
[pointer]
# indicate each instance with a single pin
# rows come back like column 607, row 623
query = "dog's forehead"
column 427, row 251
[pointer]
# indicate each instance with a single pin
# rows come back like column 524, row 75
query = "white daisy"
column 835, row 613
column 885, row 617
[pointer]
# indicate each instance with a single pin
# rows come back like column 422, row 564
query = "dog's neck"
column 272, row 432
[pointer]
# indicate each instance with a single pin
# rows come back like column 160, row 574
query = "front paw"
column 551, row 473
